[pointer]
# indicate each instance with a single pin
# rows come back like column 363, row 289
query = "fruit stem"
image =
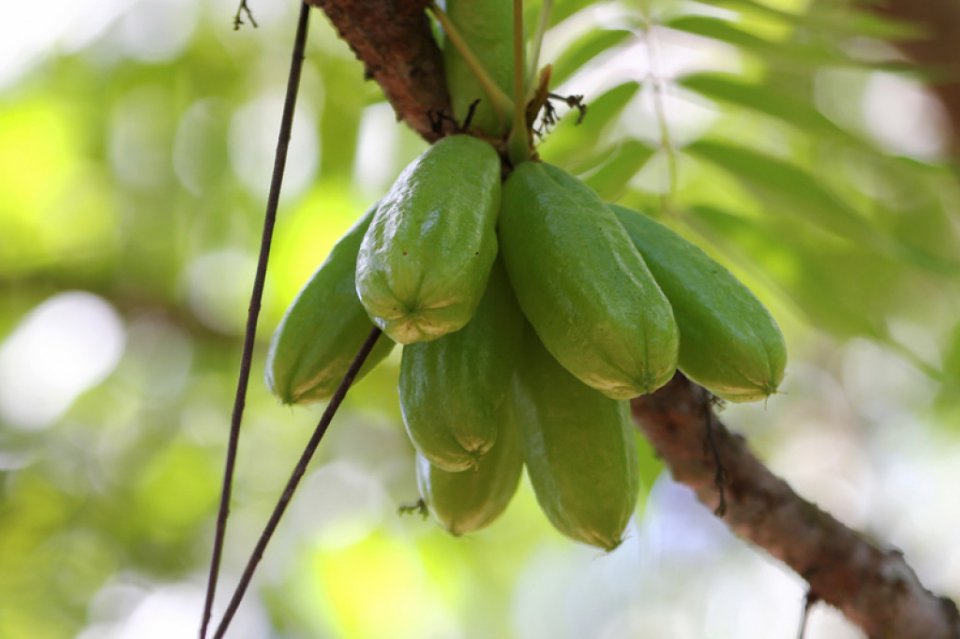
column 518, row 144
column 545, row 10
column 501, row 102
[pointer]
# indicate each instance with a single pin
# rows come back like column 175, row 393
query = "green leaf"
column 835, row 20
column 844, row 290
column 948, row 398
column 610, row 179
column 804, row 55
column 799, row 192
column 795, row 192
column 769, row 101
column 586, row 48
column 562, row 9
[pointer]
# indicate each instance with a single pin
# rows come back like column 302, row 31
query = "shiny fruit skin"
column 582, row 284
column 423, row 263
column 452, row 388
column 466, row 501
column 729, row 342
column 578, row 448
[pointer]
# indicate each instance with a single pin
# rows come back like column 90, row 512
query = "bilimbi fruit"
column 529, row 312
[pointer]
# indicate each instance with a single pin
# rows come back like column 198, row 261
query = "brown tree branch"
column 393, row 39
column 874, row 588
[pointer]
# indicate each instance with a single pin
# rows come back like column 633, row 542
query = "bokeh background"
column 792, row 139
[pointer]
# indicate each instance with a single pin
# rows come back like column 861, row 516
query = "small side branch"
column 242, row 10
column 874, row 588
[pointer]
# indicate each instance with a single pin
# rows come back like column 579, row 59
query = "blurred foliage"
column 789, row 138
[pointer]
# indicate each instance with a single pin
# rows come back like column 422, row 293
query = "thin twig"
column 253, row 313
column 294, row 481
column 238, row 18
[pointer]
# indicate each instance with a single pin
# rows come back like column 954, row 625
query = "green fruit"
column 729, row 343
column 469, row 500
column 323, row 329
column 424, row 262
column 579, row 449
column 487, row 28
column 583, row 285
column 452, row 389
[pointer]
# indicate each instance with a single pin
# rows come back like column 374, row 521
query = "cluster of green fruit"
column 526, row 354
column 529, row 312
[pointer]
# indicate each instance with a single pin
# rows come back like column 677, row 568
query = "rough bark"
column 874, row 588
column 393, row 40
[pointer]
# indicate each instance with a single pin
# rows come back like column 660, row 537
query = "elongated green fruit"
column 452, row 389
column 469, row 500
column 583, row 285
column 729, row 343
column 487, row 28
column 579, row 449
column 323, row 329
column 424, row 261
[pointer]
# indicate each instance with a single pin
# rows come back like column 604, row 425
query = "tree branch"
column 874, row 588
column 393, row 40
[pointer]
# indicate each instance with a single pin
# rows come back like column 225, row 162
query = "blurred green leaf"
column 175, row 491
column 835, row 19
column 584, row 49
column 844, row 290
column 610, row 178
column 947, row 400
column 800, row 193
column 802, row 54
column 795, row 192
column 768, row 100
column 562, row 9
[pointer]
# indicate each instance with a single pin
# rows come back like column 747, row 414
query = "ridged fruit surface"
column 579, row 450
column 452, row 388
column 729, row 342
column 323, row 329
column 423, row 263
column 466, row 501
column 583, row 285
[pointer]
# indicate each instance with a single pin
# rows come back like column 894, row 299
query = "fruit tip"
column 475, row 456
column 610, row 547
